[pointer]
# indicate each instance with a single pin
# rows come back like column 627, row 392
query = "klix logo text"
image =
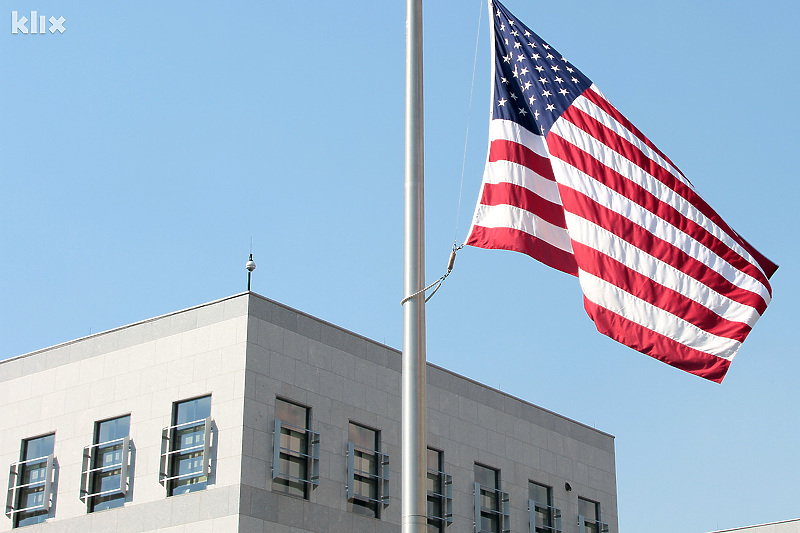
column 38, row 24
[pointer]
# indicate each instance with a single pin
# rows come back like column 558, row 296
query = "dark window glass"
column 188, row 440
column 107, row 461
column 365, row 473
column 542, row 497
column 33, row 474
column 435, row 486
column 590, row 511
column 489, row 481
column 294, row 449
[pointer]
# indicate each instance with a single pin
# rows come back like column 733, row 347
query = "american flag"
column 572, row 183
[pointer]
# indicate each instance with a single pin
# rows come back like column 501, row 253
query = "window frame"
column 16, row 490
column 310, row 454
column 90, row 470
column 591, row 525
column 444, row 483
column 501, row 507
column 553, row 521
column 380, row 477
column 170, row 454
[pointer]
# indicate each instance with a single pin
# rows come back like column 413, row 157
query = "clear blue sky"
column 143, row 148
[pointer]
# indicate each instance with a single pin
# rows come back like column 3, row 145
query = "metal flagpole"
column 414, row 430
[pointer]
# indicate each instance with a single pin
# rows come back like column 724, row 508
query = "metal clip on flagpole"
column 439, row 281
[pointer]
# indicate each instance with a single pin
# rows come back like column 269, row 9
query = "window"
column 440, row 493
column 186, row 447
column 30, row 482
column 589, row 517
column 367, row 471
column 544, row 518
column 295, row 456
column 491, row 503
column 104, row 475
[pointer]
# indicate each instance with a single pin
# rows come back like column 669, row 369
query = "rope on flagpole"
column 439, row 281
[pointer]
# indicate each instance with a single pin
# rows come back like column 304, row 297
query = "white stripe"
column 511, row 131
column 509, row 172
column 594, row 236
column 509, row 216
column 632, row 171
column 655, row 319
column 570, row 176
column 590, row 108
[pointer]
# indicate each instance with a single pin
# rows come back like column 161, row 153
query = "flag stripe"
column 509, row 172
column 602, row 126
column 509, row 216
column 519, row 241
column 582, row 206
column 510, row 194
column 645, row 288
column 632, row 192
column 590, row 235
column 656, row 345
column 622, row 303
column 502, row 150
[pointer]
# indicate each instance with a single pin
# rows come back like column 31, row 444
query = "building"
column 244, row 415
column 784, row 526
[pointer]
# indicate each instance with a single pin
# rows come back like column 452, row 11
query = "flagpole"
column 414, row 428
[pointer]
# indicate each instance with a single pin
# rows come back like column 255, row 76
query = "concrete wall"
column 138, row 370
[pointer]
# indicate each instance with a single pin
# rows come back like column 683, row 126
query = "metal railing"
column 168, row 452
column 90, row 457
column 311, row 457
column 380, row 477
column 17, row 471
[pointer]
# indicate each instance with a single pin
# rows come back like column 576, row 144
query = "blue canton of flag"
column 534, row 84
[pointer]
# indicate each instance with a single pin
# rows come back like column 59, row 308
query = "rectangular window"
column 30, row 482
column 440, row 493
column 186, row 447
column 367, row 471
column 491, row 503
column 104, row 476
column 589, row 517
column 295, row 457
column 544, row 518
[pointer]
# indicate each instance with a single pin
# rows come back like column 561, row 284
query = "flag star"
column 546, row 93
column 506, row 41
column 508, row 58
column 559, row 80
column 543, row 80
column 522, row 111
column 535, row 57
column 527, row 86
column 531, row 100
column 515, row 73
column 532, row 44
column 546, row 46
column 517, row 44
column 564, row 59
column 502, row 101
column 503, row 80
column 502, row 27
column 555, row 68
column 527, row 33
column 536, row 114
column 498, row 13
column 515, row 33
column 575, row 80
column 513, row 96
column 524, row 71
column 563, row 92
column 520, row 57
column 550, row 56
column 510, row 22
column 550, row 107
column 539, row 68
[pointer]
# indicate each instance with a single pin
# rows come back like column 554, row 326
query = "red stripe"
column 622, row 146
column 502, row 150
column 644, row 288
column 656, row 345
column 603, row 104
column 518, row 196
column 519, row 241
column 625, row 229
column 587, row 164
